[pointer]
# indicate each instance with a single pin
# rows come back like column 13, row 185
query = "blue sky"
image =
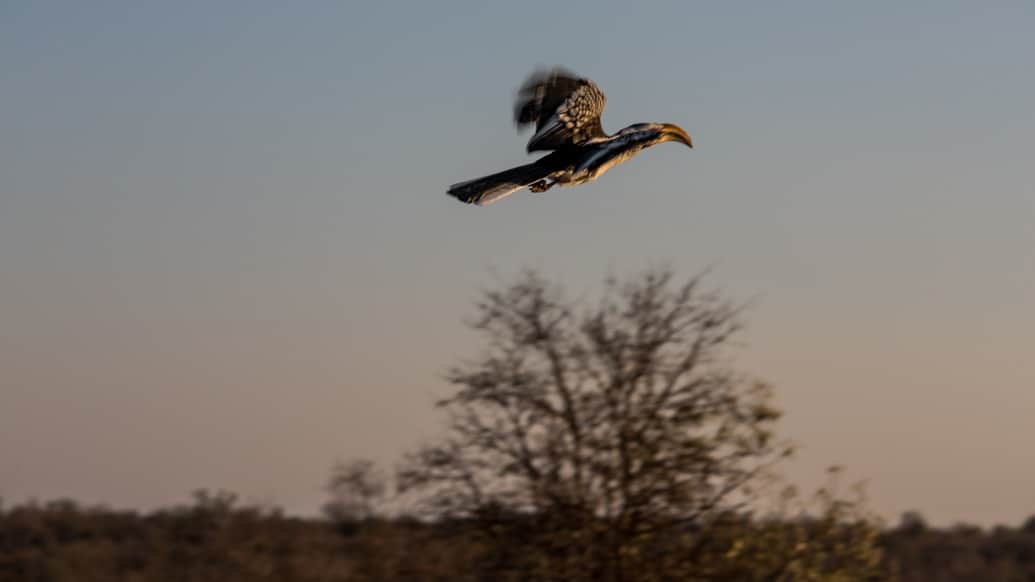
column 228, row 258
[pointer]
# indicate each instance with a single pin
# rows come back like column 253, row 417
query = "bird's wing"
column 565, row 108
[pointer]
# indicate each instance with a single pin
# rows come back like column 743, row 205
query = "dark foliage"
column 213, row 539
column 208, row 540
column 962, row 553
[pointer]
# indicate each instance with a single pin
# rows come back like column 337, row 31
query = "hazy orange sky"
column 228, row 259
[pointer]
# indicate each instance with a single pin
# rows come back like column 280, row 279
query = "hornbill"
column 566, row 111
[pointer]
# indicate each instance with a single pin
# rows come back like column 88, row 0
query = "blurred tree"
column 356, row 489
column 1029, row 525
column 912, row 522
column 612, row 441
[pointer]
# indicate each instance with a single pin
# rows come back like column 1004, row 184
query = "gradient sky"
column 228, row 261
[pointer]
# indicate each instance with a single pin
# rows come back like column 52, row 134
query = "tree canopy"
column 614, row 439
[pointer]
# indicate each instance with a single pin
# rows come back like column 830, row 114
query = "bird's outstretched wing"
column 565, row 108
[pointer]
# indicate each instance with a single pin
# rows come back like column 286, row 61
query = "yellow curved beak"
column 676, row 133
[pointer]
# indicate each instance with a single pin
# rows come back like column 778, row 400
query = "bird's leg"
column 540, row 186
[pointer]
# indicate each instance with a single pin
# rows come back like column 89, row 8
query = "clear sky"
column 227, row 258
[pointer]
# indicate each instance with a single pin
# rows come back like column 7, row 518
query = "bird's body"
column 566, row 110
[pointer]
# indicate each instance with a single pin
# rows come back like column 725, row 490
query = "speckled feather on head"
column 566, row 112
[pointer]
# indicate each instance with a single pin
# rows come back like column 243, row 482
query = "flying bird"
column 565, row 109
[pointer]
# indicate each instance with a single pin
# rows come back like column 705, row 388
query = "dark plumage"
column 566, row 112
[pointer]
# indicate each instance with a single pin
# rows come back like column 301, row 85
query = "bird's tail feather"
column 488, row 189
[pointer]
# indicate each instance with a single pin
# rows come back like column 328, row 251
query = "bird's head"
column 648, row 134
column 671, row 132
column 642, row 135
